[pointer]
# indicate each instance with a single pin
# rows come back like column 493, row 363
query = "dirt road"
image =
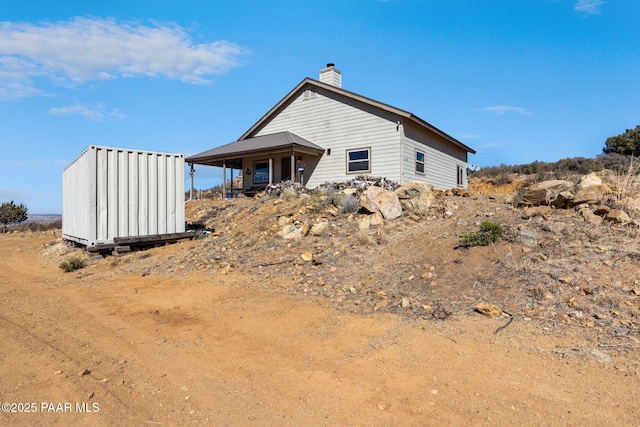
column 101, row 347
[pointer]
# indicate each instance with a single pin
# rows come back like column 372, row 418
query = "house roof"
column 275, row 142
column 308, row 82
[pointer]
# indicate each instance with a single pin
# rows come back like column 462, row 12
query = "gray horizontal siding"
column 441, row 159
column 340, row 124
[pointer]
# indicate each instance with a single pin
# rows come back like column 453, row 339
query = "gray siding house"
column 320, row 132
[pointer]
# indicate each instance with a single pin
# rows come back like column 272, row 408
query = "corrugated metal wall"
column 114, row 192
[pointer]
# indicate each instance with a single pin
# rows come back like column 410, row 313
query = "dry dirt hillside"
column 295, row 312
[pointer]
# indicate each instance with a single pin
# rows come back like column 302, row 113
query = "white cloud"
column 502, row 109
column 95, row 113
column 591, row 7
column 84, row 49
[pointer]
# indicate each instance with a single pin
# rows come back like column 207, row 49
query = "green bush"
column 489, row 232
column 72, row 264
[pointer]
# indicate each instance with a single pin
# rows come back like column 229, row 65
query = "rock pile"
column 593, row 199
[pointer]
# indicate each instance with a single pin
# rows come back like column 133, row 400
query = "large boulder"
column 589, row 190
column 416, row 197
column 377, row 199
column 543, row 193
column 591, row 195
column 587, row 181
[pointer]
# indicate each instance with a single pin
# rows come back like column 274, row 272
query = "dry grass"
column 626, row 189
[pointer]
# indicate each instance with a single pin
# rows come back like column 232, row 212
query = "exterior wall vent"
column 331, row 75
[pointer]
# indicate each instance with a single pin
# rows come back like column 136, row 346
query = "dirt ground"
column 254, row 336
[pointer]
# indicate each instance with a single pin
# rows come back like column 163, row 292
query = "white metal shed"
column 111, row 193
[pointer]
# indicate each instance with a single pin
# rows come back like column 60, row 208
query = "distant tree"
column 627, row 143
column 10, row 213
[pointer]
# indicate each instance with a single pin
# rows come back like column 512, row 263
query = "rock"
column 291, row 232
column 589, row 180
column 564, row 200
column 488, row 309
column 542, row 193
column 284, row 220
column 376, row 219
column 307, row 256
column 381, row 304
column 565, row 279
column 617, row 216
column 405, row 302
column 602, row 210
column 416, row 197
column 84, row 372
column 377, row 199
column 527, row 238
column 457, row 191
column 590, row 217
column 306, row 228
column 589, row 195
column 319, row 228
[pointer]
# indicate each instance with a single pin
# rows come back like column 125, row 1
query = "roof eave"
column 353, row 95
column 297, row 148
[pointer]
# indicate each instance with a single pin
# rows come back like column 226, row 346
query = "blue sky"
column 517, row 80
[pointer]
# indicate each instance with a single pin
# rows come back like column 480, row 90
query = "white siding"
column 441, row 159
column 340, row 124
column 112, row 192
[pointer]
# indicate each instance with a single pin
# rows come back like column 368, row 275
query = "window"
column 420, row 162
column 460, row 176
column 261, row 173
column 358, row 161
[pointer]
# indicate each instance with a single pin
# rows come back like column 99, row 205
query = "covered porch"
column 263, row 160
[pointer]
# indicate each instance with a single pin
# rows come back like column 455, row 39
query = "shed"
column 117, row 196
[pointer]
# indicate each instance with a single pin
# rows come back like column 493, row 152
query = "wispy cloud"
column 84, row 49
column 490, row 145
column 502, row 109
column 591, row 7
column 468, row 136
column 95, row 113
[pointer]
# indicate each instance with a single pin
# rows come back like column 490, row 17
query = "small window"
column 460, row 176
column 359, row 161
column 261, row 173
column 420, row 162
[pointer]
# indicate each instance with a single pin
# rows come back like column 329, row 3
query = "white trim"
column 368, row 160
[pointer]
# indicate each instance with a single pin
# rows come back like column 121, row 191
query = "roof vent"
column 331, row 75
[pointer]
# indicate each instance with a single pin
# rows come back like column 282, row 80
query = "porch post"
column 191, row 172
column 293, row 166
column 270, row 170
column 224, row 179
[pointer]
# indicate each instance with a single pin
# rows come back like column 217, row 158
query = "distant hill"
column 43, row 218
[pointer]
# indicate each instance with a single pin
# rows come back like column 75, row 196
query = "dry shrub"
column 73, row 263
column 351, row 204
column 626, row 189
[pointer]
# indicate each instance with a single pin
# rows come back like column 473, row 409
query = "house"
column 320, row 132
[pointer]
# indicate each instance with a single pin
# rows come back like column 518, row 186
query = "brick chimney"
column 331, row 75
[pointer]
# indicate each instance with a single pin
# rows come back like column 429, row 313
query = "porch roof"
column 260, row 145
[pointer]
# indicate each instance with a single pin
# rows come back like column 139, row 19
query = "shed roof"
column 264, row 144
